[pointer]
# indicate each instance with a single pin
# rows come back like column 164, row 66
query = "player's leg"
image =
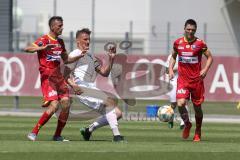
column 198, row 119
column 184, row 115
column 102, row 121
column 173, row 105
column 197, row 99
column 52, row 107
column 110, row 115
column 62, row 119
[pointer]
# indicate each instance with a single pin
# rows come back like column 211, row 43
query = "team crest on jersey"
column 40, row 43
column 193, row 46
column 188, row 46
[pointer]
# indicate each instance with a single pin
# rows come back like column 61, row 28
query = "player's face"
column 190, row 31
column 83, row 41
column 57, row 27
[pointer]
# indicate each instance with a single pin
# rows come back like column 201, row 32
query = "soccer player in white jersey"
column 82, row 77
column 172, row 93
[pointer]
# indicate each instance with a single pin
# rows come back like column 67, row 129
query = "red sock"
column 43, row 119
column 62, row 119
column 198, row 124
column 184, row 115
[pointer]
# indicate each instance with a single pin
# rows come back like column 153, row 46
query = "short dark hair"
column 84, row 30
column 52, row 19
column 191, row 22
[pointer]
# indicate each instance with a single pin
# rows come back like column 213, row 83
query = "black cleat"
column 118, row 138
column 86, row 134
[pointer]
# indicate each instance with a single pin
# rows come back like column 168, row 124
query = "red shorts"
column 53, row 88
column 193, row 89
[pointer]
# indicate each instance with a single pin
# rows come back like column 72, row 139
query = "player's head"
column 56, row 25
column 190, row 28
column 83, row 38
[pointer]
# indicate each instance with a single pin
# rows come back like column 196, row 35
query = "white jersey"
column 84, row 74
column 84, row 69
column 175, row 66
column 173, row 82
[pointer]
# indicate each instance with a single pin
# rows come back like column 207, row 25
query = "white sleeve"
column 176, row 64
column 168, row 60
column 73, row 54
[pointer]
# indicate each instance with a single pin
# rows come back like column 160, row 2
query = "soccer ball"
column 165, row 113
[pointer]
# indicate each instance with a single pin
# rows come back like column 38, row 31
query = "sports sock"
column 112, row 120
column 62, row 119
column 184, row 115
column 43, row 119
column 198, row 124
column 102, row 121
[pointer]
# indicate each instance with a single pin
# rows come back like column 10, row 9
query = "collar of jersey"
column 51, row 37
column 184, row 38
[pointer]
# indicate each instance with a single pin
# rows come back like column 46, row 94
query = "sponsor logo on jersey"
column 187, row 46
column 52, row 93
column 191, row 60
column 181, row 91
column 53, row 57
column 187, row 53
column 180, row 47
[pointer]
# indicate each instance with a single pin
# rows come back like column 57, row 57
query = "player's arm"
column 67, row 75
column 208, row 64
column 70, row 59
column 34, row 48
column 105, row 70
column 171, row 64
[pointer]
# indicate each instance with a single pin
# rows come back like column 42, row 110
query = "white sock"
column 102, row 121
column 112, row 120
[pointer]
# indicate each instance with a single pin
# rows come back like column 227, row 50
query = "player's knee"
column 110, row 102
column 65, row 102
column 118, row 113
column 181, row 102
column 53, row 107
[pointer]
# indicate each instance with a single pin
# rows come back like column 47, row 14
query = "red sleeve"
column 40, row 42
column 175, row 44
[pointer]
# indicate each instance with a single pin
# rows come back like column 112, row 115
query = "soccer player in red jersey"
column 50, row 50
column 190, row 79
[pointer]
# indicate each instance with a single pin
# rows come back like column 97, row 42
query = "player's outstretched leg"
column 43, row 120
column 107, row 119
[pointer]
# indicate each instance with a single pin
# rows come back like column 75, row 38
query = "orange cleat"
column 197, row 138
column 186, row 130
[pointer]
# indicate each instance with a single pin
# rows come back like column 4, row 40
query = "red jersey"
column 189, row 58
column 50, row 60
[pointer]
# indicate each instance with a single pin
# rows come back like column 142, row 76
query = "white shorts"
column 172, row 93
column 90, row 101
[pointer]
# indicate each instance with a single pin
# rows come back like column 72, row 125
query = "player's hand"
column 203, row 73
column 238, row 106
column 77, row 89
column 112, row 51
column 171, row 74
column 84, row 52
column 48, row 47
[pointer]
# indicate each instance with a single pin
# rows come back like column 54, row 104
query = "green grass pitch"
column 145, row 140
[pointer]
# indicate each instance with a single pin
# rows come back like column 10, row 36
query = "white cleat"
column 32, row 136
